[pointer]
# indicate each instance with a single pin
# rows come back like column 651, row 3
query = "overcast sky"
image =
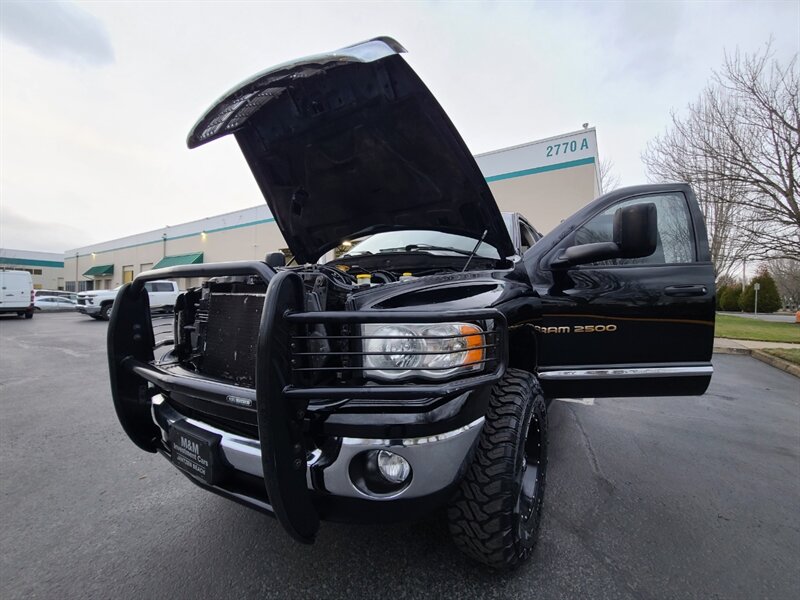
column 97, row 98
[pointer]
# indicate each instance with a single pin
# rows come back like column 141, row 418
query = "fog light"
column 393, row 467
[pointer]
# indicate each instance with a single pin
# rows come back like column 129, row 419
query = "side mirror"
column 275, row 259
column 635, row 235
column 636, row 230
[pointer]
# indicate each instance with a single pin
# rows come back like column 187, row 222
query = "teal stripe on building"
column 180, row 237
column 30, row 262
column 545, row 169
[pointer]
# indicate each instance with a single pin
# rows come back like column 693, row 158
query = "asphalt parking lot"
column 647, row 498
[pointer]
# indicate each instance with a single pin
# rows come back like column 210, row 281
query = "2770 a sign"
column 567, row 147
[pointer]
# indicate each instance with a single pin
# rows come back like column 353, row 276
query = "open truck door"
column 627, row 291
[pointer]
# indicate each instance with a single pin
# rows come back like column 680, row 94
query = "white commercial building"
column 46, row 268
column 546, row 181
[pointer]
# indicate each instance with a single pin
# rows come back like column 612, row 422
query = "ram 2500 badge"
column 313, row 394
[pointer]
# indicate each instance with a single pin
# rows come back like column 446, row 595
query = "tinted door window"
column 675, row 235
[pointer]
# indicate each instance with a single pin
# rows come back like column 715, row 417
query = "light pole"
column 756, row 287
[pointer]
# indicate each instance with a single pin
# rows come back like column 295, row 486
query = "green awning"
column 192, row 258
column 100, row 271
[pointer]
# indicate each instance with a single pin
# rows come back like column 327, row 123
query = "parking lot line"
column 584, row 401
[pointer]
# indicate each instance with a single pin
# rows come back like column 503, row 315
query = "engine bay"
column 216, row 325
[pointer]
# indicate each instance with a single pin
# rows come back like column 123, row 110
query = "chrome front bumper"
column 437, row 461
column 88, row 309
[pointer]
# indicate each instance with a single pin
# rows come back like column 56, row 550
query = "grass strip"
column 741, row 328
column 790, row 355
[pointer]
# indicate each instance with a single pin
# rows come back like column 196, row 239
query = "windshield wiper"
column 412, row 247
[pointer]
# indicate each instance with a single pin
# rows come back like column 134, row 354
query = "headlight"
column 433, row 351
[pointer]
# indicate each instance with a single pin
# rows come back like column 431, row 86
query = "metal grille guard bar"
column 239, row 267
column 412, row 390
column 131, row 342
column 396, row 316
column 281, row 407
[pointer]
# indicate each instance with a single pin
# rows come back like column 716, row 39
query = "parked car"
column 16, row 293
column 56, row 293
column 98, row 303
column 52, row 303
column 412, row 373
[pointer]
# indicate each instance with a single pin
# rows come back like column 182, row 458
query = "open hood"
column 351, row 143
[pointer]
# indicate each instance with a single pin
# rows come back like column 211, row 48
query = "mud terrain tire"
column 495, row 515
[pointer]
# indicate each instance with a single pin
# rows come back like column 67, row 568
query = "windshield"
column 418, row 240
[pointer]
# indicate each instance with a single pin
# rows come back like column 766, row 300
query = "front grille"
column 230, row 336
column 322, row 355
column 82, row 301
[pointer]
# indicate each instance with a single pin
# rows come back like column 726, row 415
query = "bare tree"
column 609, row 179
column 786, row 273
column 669, row 158
column 739, row 145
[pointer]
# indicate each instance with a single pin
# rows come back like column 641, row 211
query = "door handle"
column 686, row 290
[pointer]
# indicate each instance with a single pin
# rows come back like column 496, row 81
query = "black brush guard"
column 281, row 407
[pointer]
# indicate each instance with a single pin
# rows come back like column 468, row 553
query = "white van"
column 16, row 293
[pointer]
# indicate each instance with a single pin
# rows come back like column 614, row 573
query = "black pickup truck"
column 413, row 372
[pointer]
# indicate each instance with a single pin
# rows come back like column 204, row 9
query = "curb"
column 728, row 350
column 777, row 362
column 773, row 361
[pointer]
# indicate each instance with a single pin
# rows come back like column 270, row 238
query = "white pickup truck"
column 97, row 303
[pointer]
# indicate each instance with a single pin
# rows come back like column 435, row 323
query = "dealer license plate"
column 196, row 451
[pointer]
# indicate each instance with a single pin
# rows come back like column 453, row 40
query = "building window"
column 69, row 286
column 127, row 273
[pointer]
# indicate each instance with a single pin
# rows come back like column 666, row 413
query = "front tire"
column 495, row 515
column 29, row 315
column 105, row 311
